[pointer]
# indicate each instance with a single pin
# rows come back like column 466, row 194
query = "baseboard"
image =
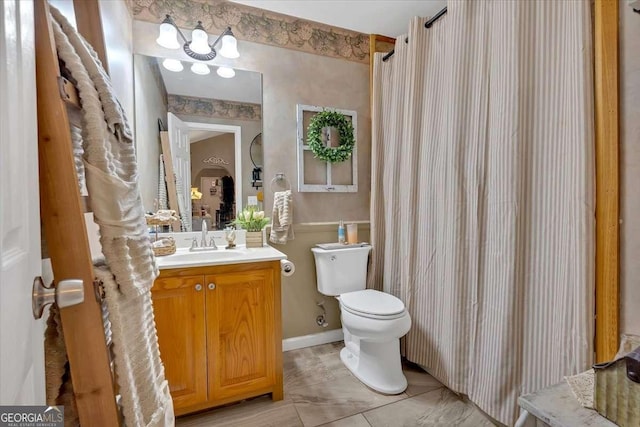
column 311, row 340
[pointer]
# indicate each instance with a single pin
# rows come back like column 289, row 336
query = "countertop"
column 241, row 254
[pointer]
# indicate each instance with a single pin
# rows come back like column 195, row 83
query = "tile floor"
column 320, row 391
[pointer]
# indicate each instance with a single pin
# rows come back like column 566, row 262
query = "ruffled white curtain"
column 482, row 195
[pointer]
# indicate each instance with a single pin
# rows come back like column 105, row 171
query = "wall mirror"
column 204, row 128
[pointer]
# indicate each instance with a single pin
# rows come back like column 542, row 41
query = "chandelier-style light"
column 172, row 65
column 198, row 47
column 226, row 72
column 200, row 68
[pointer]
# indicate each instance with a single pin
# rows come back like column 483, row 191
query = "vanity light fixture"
column 226, row 72
column 198, row 47
column 172, row 65
column 200, row 68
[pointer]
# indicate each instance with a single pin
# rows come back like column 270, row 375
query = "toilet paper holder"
column 287, row 268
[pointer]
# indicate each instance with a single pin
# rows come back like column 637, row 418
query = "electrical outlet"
column 252, row 201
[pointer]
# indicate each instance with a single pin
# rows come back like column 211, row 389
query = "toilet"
column 373, row 322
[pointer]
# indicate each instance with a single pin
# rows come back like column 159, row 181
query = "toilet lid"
column 369, row 301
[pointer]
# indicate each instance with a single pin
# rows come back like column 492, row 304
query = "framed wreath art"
column 330, row 119
column 327, row 149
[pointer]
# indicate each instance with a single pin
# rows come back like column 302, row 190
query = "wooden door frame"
column 607, row 292
column 607, row 181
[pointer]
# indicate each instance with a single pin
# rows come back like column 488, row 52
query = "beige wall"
column 149, row 107
column 630, row 169
column 222, row 146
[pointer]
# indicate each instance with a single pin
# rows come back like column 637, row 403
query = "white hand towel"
column 282, row 218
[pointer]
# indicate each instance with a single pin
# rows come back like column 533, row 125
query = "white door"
column 181, row 157
column 21, row 337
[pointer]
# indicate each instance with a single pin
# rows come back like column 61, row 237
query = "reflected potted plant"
column 252, row 220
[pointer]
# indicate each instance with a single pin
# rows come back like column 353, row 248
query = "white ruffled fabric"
column 129, row 268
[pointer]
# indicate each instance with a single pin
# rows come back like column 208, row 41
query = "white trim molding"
column 304, row 341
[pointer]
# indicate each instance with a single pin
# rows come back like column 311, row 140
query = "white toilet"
column 373, row 322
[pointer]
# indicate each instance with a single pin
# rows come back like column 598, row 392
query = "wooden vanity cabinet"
column 179, row 309
column 220, row 333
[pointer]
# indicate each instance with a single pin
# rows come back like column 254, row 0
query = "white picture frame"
column 328, row 186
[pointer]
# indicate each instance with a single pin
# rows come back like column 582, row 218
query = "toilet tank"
column 339, row 271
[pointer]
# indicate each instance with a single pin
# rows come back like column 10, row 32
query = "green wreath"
column 314, row 136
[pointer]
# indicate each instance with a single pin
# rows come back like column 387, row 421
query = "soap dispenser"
column 341, row 238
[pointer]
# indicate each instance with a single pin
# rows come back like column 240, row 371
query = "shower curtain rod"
column 427, row 24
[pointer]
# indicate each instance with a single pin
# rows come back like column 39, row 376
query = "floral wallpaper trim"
column 216, row 108
column 257, row 25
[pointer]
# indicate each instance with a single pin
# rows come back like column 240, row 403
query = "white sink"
column 185, row 258
column 212, row 255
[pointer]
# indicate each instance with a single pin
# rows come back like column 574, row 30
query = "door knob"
column 198, row 287
column 65, row 294
column 212, row 286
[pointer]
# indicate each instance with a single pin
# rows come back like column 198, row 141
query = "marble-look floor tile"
column 328, row 349
column 354, row 421
column 435, row 408
column 419, row 380
column 258, row 412
column 303, row 367
column 335, row 399
column 329, row 355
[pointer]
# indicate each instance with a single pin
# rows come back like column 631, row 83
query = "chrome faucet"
column 203, row 241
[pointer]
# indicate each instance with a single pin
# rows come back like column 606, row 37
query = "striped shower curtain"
column 482, row 195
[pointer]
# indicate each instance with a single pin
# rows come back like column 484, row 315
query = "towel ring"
column 278, row 178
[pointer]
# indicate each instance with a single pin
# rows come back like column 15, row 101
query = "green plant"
column 251, row 219
column 345, row 129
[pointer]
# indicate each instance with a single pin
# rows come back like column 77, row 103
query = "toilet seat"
column 372, row 304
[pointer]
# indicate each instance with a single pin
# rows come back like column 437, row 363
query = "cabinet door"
column 179, row 308
column 240, row 331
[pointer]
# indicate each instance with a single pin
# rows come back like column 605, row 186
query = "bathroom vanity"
column 218, row 318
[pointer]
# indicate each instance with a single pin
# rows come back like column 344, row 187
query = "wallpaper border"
column 215, row 108
column 257, row 25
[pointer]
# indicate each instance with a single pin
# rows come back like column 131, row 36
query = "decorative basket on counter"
column 157, row 222
column 166, row 249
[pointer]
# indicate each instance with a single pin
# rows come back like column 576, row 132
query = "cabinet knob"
column 212, row 286
column 198, row 287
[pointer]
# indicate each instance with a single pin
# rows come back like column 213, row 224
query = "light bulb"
column 229, row 48
column 172, row 65
column 200, row 41
column 226, row 72
column 200, row 68
column 168, row 36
